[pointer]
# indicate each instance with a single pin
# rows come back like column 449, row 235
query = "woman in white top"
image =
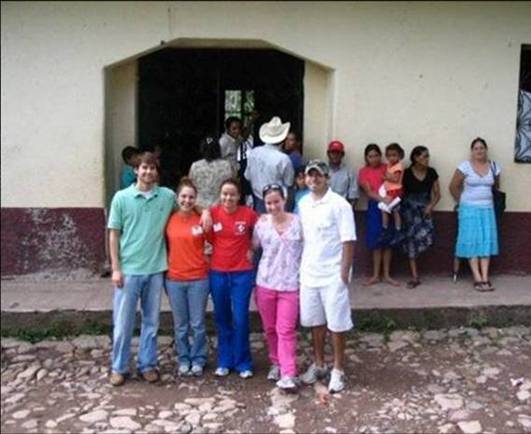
column 477, row 237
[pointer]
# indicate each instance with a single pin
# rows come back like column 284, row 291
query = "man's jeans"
column 188, row 300
column 231, row 294
column 147, row 287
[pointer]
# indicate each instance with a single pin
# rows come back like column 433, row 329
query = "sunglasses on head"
column 272, row 187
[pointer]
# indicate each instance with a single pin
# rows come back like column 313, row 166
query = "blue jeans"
column 147, row 287
column 188, row 300
column 231, row 294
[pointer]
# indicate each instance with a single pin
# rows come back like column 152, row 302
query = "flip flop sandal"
column 478, row 286
column 490, row 287
column 412, row 284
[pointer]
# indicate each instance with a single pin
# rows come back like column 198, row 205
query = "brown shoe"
column 151, row 376
column 117, row 379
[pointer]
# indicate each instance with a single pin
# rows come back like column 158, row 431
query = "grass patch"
column 377, row 323
column 478, row 321
column 57, row 330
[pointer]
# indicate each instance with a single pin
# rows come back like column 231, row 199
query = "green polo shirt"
column 142, row 222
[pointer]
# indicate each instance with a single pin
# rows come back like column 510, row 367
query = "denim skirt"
column 477, row 234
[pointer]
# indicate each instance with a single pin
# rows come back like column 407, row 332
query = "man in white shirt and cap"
column 329, row 234
column 268, row 164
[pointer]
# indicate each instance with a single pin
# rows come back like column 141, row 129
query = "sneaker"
column 246, row 374
column 274, row 373
column 221, row 372
column 116, row 379
column 197, row 370
column 314, row 373
column 151, row 376
column 184, row 370
column 287, row 383
column 337, row 381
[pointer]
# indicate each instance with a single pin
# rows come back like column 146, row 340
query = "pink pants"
column 279, row 311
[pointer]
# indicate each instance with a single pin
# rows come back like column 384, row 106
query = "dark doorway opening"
column 184, row 94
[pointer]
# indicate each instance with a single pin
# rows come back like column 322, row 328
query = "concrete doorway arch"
column 124, row 122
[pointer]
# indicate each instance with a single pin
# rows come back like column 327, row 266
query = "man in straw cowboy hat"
column 268, row 164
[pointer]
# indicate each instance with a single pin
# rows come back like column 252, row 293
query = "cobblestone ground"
column 438, row 381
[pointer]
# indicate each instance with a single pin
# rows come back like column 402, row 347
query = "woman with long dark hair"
column 422, row 193
column 370, row 179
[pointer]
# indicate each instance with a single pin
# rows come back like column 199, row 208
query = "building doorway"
column 184, row 94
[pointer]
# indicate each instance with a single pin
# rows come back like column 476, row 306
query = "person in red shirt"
column 187, row 280
column 231, row 279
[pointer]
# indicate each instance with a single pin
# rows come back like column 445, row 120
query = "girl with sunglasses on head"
column 279, row 234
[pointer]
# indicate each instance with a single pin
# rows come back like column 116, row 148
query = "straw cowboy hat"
column 274, row 131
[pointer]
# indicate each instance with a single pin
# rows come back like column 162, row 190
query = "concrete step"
column 437, row 302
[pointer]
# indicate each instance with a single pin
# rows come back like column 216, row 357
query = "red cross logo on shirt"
column 240, row 227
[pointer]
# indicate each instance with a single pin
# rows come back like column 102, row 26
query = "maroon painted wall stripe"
column 59, row 239
column 50, row 239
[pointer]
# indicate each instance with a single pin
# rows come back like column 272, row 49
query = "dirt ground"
column 438, row 381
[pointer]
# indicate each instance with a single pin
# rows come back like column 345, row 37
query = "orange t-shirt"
column 186, row 242
column 398, row 167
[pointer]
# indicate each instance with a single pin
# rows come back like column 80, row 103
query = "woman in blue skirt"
column 477, row 237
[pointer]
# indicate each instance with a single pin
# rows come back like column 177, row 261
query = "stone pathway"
column 440, row 381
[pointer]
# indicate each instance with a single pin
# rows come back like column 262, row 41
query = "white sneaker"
column 246, row 374
column 314, row 373
column 184, row 371
column 221, row 372
column 337, row 381
column 287, row 383
column 274, row 373
column 197, row 370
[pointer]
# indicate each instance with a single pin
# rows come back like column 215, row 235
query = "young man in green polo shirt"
column 136, row 223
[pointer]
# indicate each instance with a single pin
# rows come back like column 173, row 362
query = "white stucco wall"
column 120, row 121
column 318, row 106
column 436, row 74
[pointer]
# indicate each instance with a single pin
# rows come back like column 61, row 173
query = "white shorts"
column 328, row 305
